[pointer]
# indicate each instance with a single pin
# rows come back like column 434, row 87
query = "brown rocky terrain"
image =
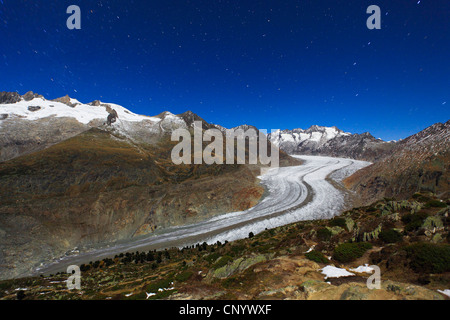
column 420, row 162
column 24, row 137
column 408, row 240
column 96, row 188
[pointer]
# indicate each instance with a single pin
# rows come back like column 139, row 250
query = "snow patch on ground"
column 311, row 249
column 445, row 292
column 334, row 272
column 83, row 113
column 363, row 269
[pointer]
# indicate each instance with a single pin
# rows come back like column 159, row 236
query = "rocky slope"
column 331, row 141
column 420, row 162
column 312, row 260
column 79, row 175
column 30, row 123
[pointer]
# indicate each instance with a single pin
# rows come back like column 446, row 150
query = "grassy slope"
column 273, row 264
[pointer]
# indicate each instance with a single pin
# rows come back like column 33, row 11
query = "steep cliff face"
column 421, row 162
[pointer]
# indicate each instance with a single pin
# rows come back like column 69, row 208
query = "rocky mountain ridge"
column 420, row 162
column 31, row 123
column 330, row 141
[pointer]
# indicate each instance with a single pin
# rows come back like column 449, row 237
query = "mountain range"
column 331, row 141
column 83, row 175
column 418, row 163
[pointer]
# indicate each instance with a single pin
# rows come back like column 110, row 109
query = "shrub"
column 255, row 244
column 414, row 221
column 21, row 295
column 212, row 257
column 347, row 252
column 429, row 257
column 390, row 236
column 237, row 249
column 324, row 234
column 84, row 268
column 184, row 276
column 265, row 248
column 435, row 204
column 5, row 285
column 420, row 197
column 222, row 262
column 338, row 222
column 150, row 257
column 316, row 256
column 161, row 284
column 230, row 282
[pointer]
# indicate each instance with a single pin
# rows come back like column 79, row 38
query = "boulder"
column 312, row 286
column 437, row 238
column 238, row 265
column 30, row 95
column 349, row 223
column 335, row 230
column 433, row 222
column 112, row 116
column 9, row 97
column 353, row 293
column 95, row 103
column 65, row 100
column 34, row 108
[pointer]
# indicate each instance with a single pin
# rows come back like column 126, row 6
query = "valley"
column 294, row 194
column 94, row 185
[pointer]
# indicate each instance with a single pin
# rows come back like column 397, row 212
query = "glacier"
column 296, row 193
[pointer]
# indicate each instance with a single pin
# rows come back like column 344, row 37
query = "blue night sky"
column 273, row 64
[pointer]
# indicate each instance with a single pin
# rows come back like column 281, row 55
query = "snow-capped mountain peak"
column 315, row 133
column 66, row 107
column 30, row 122
column 331, row 141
